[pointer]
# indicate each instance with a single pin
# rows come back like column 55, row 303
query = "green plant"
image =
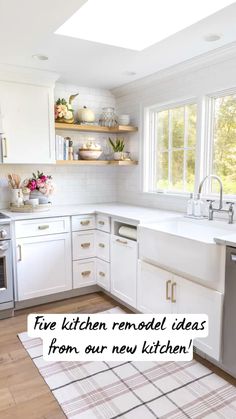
column 117, row 146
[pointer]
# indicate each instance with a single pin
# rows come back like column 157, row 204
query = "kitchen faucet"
column 230, row 211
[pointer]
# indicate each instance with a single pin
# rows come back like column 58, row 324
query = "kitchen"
column 97, row 166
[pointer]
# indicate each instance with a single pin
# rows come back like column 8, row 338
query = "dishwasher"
column 229, row 322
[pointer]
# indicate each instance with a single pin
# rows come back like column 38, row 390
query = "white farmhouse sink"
column 186, row 247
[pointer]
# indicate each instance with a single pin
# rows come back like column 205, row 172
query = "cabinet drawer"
column 83, row 222
column 84, row 245
column 103, row 245
column 103, row 223
column 103, row 274
column 42, row 227
column 84, row 273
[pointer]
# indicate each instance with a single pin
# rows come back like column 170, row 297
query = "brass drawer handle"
column 43, row 227
column 5, row 147
column 86, row 273
column 85, row 223
column 121, row 241
column 102, row 274
column 173, row 287
column 102, row 245
column 167, row 289
column 101, row 223
column 20, row 253
column 85, row 245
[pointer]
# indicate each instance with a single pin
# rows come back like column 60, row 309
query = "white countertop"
column 129, row 212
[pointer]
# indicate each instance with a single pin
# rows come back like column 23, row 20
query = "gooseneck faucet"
column 221, row 189
column 230, row 211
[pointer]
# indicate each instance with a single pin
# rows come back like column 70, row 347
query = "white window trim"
column 149, row 148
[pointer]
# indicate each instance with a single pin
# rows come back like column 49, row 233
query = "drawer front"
column 84, row 273
column 84, row 245
column 83, row 222
column 103, row 223
column 103, row 245
column 42, row 227
column 103, row 274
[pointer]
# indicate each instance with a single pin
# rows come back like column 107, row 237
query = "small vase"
column 16, row 197
column 118, row 155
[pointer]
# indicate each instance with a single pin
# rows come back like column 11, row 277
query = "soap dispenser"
column 198, row 206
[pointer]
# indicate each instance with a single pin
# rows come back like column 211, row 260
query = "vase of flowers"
column 40, row 186
column 63, row 110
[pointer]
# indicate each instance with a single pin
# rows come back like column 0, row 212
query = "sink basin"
column 186, row 247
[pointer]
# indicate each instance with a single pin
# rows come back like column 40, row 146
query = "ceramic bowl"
column 90, row 154
column 124, row 119
column 32, row 202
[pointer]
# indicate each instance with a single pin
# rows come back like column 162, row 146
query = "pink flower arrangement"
column 40, row 182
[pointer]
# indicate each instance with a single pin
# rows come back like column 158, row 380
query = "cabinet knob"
column 121, row 241
column 102, row 245
column 85, row 245
column 102, row 274
column 85, row 222
column 85, row 273
column 43, row 227
column 167, row 289
column 101, row 223
column 173, row 288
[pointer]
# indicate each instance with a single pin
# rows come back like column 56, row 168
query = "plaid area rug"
column 134, row 390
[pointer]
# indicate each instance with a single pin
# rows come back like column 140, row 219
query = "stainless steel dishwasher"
column 229, row 322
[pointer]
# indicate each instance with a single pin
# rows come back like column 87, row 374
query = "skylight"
column 136, row 24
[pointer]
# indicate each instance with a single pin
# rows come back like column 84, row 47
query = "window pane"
column 177, row 169
column 191, row 113
column 162, row 130
column 162, row 171
column 224, row 143
column 177, row 123
column 190, row 170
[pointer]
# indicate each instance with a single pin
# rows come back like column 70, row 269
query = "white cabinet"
column 43, row 265
column 27, row 119
column 103, row 245
column 124, row 269
column 153, row 289
column 103, row 223
column 42, row 227
column 103, row 274
column 160, row 291
column 84, row 244
column 193, row 298
column 84, row 273
column 83, row 222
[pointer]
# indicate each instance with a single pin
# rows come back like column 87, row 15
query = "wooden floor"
column 23, row 392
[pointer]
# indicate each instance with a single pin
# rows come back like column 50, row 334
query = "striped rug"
column 134, row 390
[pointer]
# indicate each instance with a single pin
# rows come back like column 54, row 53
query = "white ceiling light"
column 136, row 24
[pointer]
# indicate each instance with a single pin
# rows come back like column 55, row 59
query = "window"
column 223, row 142
column 174, row 143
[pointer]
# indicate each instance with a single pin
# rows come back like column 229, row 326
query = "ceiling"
column 27, row 27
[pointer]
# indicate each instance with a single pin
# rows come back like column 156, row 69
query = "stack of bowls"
column 124, row 119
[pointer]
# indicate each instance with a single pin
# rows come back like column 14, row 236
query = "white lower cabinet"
column 160, row 291
column 124, row 269
column 103, row 274
column 84, row 244
column 43, row 265
column 84, row 273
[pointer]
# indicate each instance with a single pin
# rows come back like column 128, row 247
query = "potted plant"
column 118, row 148
column 63, row 110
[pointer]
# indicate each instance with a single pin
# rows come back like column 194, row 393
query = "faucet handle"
column 231, row 204
column 210, row 200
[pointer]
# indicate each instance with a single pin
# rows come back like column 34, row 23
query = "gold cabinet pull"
column 43, row 227
column 20, row 253
column 102, row 245
column 85, row 273
column 121, row 241
column 167, row 289
column 101, row 223
column 173, row 288
column 5, row 147
column 85, row 245
column 102, row 274
column 85, row 222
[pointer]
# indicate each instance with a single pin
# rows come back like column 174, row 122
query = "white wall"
column 74, row 185
column 189, row 80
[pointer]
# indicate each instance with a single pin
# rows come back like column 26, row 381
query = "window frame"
column 151, row 145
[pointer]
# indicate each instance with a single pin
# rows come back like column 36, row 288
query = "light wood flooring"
column 23, row 392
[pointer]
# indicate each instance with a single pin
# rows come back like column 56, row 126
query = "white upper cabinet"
column 27, row 123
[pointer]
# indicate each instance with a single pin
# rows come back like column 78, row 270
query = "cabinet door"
column 124, row 269
column 103, row 246
column 193, row 298
column 103, row 274
column 84, row 245
column 27, row 123
column 43, row 265
column 84, row 273
column 154, row 289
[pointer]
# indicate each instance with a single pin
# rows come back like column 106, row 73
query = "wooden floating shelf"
column 120, row 129
column 98, row 162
